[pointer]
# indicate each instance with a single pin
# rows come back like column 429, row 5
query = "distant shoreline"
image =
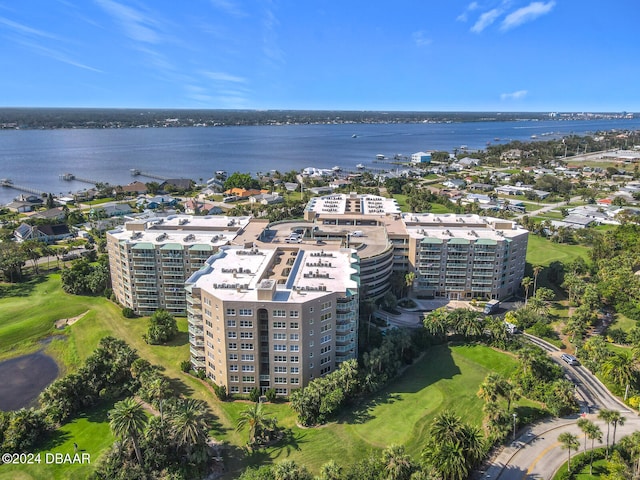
column 12, row 118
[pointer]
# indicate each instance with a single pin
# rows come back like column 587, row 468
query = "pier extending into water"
column 70, row 176
column 135, row 172
column 5, row 182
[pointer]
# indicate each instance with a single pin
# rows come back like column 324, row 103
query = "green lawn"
column 29, row 310
column 92, row 434
column 541, row 251
column 444, row 378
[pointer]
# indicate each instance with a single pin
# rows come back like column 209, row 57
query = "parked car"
column 570, row 359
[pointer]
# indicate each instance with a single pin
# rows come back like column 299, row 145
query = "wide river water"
column 36, row 158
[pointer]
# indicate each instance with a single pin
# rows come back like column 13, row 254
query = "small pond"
column 23, row 378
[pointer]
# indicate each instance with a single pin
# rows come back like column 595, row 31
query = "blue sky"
column 504, row 55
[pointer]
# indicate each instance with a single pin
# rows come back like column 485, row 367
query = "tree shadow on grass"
column 436, row 364
column 21, row 289
column 181, row 339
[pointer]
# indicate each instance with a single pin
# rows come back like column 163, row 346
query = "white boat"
column 359, row 166
column 336, row 168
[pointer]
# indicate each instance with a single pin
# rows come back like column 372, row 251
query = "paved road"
column 536, row 452
column 547, row 207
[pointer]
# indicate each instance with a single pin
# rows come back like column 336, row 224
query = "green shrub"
column 270, row 394
column 254, row 395
column 185, row 366
column 128, row 312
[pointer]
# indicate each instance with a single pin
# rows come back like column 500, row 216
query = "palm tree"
column 569, row 442
column 594, row 433
column 331, row 471
column 620, row 368
column 409, row 279
column 616, row 419
column 446, row 427
column 157, row 390
column 128, row 421
column 490, row 387
column 448, row 459
column 188, row 423
column 585, row 424
column 397, row 463
column 437, row 322
column 255, row 419
column 536, row 271
column 526, row 283
column 607, row 416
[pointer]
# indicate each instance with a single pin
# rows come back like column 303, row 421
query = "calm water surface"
column 36, row 158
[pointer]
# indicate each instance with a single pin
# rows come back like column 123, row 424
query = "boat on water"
column 534, row 137
column 354, row 136
column 134, row 171
column 336, row 168
column 359, row 166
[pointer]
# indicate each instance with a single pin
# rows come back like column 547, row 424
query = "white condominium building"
column 150, row 259
column 273, row 318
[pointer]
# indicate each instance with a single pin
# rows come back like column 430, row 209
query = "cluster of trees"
column 452, row 451
column 495, row 390
column 324, row 396
column 83, row 277
column 468, row 324
column 616, row 258
column 171, row 445
column 106, row 374
column 163, row 327
column 241, row 180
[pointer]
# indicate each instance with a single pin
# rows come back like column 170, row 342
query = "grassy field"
column 92, row 434
column 541, row 251
column 435, row 207
column 444, row 378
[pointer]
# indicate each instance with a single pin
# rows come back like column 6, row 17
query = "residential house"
column 43, row 233
column 421, row 157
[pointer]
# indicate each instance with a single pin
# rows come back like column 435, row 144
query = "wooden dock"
column 135, row 172
column 5, row 182
column 70, row 176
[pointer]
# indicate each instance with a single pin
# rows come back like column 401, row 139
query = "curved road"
column 536, row 452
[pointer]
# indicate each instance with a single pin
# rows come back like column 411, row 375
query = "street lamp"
column 515, row 416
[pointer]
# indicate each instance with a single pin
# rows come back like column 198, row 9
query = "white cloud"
column 24, row 29
column 230, row 7
column 420, row 38
column 518, row 95
column 526, row 14
column 56, row 55
column 270, row 46
column 486, row 19
column 136, row 24
column 464, row 16
column 224, row 77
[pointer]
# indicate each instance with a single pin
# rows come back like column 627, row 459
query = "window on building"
column 245, row 312
column 279, row 324
column 294, row 313
column 232, row 346
column 246, row 323
column 231, row 311
column 248, row 378
column 279, row 336
column 246, row 346
column 294, row 325
column 248, row 368
column 294, row 348
column 277, row 347
column 233, row 356
column 246, row 335
column 247, row 357
column 279, row 313
column 231, row 323
column 232, row 335
column 294, row 337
